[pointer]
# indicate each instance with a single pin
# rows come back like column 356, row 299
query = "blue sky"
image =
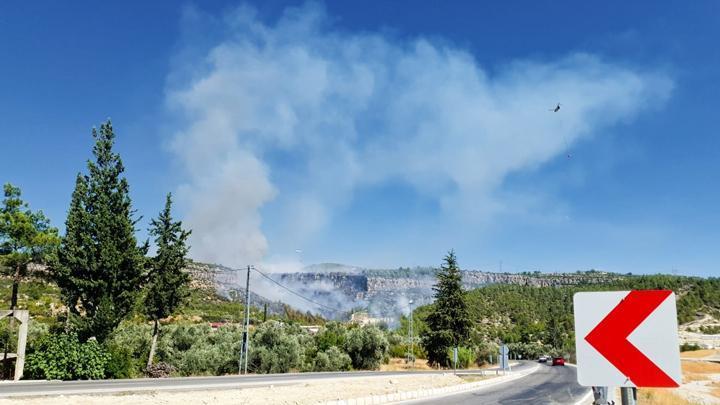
column 384, row 133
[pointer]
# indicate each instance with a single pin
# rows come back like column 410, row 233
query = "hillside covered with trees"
column 538, row 320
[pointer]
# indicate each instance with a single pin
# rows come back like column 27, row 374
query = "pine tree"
column 167, row 282
column 25, row 237
column 100, row 266
column 448, row 323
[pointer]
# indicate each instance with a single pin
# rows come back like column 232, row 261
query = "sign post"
column 503, row 357
column 627, row 339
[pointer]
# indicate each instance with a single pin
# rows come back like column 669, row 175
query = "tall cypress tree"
column 448, row 323
column 167, row 282
column 100, row 266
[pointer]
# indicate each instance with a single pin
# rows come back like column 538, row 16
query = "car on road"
column 558, row 361
column 542, row 359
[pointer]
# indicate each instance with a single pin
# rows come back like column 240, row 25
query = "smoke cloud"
column 299, row 114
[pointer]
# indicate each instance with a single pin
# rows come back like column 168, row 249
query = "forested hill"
column 519, row 313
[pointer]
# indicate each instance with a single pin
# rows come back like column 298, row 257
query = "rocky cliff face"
column 229, row 283
column 335, row 290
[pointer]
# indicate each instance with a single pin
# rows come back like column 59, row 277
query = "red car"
column 558, row 361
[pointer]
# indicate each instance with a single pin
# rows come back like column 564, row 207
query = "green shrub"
column 332, row 359
column 123, row 364
column 128, row 347
column 276, row 348
column 366, row 347
column 63, row 357
column 198, row 350
column 465, row 357
column 689, row 347
column 332, row 334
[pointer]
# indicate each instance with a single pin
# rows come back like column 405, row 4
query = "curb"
column 430, row 392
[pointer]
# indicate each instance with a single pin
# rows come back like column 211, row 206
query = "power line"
column 296, row 293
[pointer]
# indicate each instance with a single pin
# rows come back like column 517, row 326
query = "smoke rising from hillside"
column 300, row 114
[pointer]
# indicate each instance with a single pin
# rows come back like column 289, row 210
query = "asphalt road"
column 33, row 388
column 548, row 385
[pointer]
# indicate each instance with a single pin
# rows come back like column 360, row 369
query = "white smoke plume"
column 299, row 113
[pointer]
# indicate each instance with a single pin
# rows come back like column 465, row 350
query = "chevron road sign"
column 627, row 339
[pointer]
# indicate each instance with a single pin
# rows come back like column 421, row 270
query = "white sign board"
column 627, row 339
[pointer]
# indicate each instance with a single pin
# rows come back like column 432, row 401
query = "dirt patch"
column 297, row 394
column 716, row 389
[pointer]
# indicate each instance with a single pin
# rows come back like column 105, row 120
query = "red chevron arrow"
column 609, row 338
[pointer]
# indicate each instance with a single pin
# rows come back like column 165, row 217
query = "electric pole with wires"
column 243, row 363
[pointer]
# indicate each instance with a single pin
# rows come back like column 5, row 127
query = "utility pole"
column 246, row 332
column 412, row 338
column 628, row 395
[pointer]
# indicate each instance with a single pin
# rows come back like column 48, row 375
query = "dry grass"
column 700, row 367
column 698, row 354
column 397, row 364
column 690, row 377
column 659, row 396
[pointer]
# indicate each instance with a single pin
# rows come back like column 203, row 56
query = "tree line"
column 106, row 280
column 531, row 320
column 101, row 270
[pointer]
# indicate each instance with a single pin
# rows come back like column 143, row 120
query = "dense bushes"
column 332, row 359
column 366, row 347
column 63, row 357
column 197, row 349
column 276, row 348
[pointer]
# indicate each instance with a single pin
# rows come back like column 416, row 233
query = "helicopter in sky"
column 567, row 147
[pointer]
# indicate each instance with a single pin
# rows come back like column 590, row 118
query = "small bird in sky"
column 556, row 109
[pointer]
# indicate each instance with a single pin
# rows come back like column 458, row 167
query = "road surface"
column 30, row 388
column 548, row 385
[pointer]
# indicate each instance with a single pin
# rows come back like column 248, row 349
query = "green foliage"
column 466, row 356
column 539, row 320
column 128, row 347
column 206, row 304
column 332, row 359
column 689, row 347
column 167, row 282
column 332, row 334
column 367, row 347
column 100, row 266
column 122, row 364
column 197, row 349
column 63, row 357
column 533, row 350
column 276, row 348
column 25, row 237
column 40, row 297
column 448, row 322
